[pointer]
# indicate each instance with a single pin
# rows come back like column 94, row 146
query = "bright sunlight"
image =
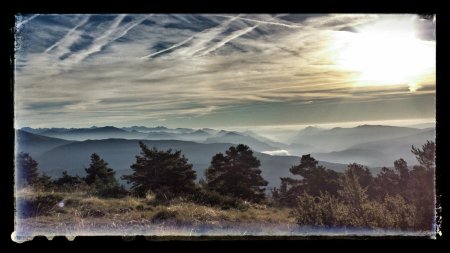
column 386, row 53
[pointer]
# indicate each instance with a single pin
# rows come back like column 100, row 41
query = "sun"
column 386, row 53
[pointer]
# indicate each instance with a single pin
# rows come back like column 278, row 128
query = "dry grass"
column 81, row 214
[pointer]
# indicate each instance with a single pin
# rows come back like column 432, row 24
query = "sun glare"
column 385, row 53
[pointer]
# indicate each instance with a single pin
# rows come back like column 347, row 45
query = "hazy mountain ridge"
column 237, row 138
column 371, row 145
column 35, row 144
column 205, row 135
column 120, row 154
column 339, row 138
column 381, row 152
column 82, row 134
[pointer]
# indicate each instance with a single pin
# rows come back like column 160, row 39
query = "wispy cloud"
column 169, row 48
column 229, row 38
column 68, row 39
column 142, row 68
column 22, row 21
column 267, row 22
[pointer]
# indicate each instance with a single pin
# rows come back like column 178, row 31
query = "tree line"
column 165, row 173
column 397, row 197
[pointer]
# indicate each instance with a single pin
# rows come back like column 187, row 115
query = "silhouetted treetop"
column 236, row 174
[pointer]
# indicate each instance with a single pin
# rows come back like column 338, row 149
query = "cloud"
column 169, row 48
column 68, row 39
column 279, row 23
column 22, row 21
column 277, row 152
column 144, row 68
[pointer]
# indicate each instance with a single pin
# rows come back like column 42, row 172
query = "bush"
column 210, row 198
column 37, row 206
column 401, row 214
column 92, row 213
column 329, row 211
column 114, row 192
column 68, row 183
column 317, row 211
column 163, row 216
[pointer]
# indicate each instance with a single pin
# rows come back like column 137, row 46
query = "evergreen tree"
column 353, row 194
column 315, row 179
column 44, row 182
column 364, row 177
column 388, row 211
column 426, row 155
column 386, row 183
column 392, row 181
column 100, row 175
column 27, row 170
column 401, row 167
column 236, row 174
column 68, row 181
column 421, row 185
column 165, row 173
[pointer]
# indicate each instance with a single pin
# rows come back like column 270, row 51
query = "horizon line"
column 400, row 122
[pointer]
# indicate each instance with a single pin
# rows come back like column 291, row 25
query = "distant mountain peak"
column 200, row 131
column 311, row 130
column 312, row 127
column 106, row 128
column 231, row 134
column 367, row 126
column 222, row 132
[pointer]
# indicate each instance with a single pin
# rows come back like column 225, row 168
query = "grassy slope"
column 87, row 215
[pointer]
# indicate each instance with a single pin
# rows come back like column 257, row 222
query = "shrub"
column 317, row 210
column 210, row 198
column 38, row 205
column 112, row 192
column 163, row 216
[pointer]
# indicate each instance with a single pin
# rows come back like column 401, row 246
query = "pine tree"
column 165, row 173
column 236, row 174
column 421, row 185
column 386, row 182
column 315, row 180
column 68, row 181
column 392, row 181
column 362, row 173
column 354, row 195
column 426, row 155
column 100, row 175
column 26, row 169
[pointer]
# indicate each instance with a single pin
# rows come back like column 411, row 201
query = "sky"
column 222, row 70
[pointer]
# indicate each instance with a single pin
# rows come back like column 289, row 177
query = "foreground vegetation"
column 164, row 197
column 80, row 213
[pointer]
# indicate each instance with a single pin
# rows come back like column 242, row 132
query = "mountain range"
column 120, row 154
column 58, row 149
column 380, row 152
column 338, row 138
